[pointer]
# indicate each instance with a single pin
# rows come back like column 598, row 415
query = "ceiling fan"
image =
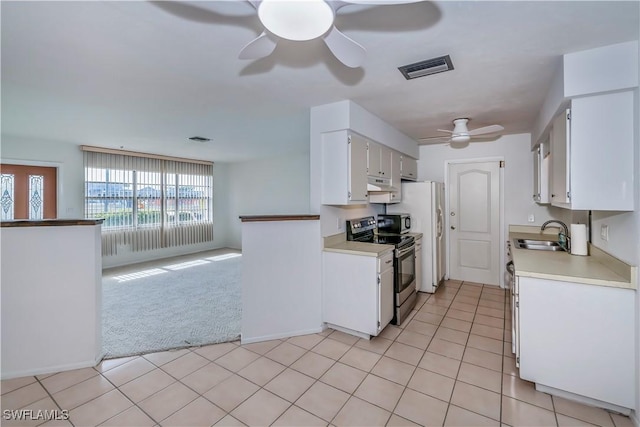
column 301, row 20
column 461, row 134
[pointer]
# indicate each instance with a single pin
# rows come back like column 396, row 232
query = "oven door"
column 405, row 271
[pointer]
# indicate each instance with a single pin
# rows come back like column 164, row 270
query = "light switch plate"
column 604, row 232
column 340, row 223
column 532, row 218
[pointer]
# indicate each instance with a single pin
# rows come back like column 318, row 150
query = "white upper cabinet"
column 541, row 160
column 560, row 158
column 592, row 154
column 349, row 161
column 409, row 168
column 379, row 160
column 396, row 181
column 344, row 168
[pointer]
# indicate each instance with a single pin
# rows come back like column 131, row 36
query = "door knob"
column 452, row 227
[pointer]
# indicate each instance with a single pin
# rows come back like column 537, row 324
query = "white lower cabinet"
column 575, row 338
column 357, row 293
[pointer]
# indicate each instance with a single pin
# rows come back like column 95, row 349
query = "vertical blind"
column 148, row 202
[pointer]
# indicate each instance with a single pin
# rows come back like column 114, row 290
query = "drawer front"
column 385, row 262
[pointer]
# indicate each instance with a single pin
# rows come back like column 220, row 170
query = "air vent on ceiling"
column 425, row 68
column 199, row 139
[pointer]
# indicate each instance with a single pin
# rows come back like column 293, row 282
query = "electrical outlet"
column 340, row 223
column 604, row 232
column 532, row 218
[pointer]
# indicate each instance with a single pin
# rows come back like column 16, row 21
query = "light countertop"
column 601, row 270
column 338, row 243
column 359, row 248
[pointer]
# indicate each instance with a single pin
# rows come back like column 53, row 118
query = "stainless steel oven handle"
column 403, row 252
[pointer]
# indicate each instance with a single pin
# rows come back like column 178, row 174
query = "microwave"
column 394, row 223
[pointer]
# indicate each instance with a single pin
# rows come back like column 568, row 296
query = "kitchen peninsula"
column 52, row 288
column 281, row 276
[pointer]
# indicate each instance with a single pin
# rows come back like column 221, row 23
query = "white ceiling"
column 146, row 76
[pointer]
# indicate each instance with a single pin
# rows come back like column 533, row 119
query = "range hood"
column 377, row 184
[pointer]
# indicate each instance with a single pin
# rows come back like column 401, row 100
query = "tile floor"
column 449, row 364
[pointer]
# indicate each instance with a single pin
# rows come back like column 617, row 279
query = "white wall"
column 277, row 185
column 518, row 173
column 591, row 71
column 51, row 314
column 281, row 279
column 68, row 158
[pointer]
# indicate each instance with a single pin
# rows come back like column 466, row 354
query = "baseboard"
column 584, row 400
column 350, row 331
column 278, row 336
column 50, row 369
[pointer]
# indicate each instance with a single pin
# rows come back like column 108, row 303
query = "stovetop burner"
column 392, row 239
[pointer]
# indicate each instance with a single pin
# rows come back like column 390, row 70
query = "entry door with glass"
column 27, row 192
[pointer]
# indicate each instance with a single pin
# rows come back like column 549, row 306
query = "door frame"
column 447, row 164
column 59, row 186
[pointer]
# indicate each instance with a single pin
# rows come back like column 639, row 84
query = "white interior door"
column 474, row 222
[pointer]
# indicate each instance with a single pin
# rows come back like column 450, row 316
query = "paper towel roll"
column 578, row 239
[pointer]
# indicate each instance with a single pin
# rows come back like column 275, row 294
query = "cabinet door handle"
column 389, row 261
column 452, row 227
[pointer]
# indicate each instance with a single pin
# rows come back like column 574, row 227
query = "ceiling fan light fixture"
column 297, row 20
column 460, row 126
column 460, row 138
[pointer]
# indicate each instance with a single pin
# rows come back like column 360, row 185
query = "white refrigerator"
column 424, row 201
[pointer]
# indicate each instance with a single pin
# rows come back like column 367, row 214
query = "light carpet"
column 178, row 305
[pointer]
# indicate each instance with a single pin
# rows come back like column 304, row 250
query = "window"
column 148, row 202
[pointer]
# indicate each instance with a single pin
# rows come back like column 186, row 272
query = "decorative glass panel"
column 36, row 196
column 6, row 200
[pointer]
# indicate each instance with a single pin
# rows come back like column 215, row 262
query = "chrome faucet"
column 563, row 236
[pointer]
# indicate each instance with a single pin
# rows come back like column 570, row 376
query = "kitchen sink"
column 538, row 245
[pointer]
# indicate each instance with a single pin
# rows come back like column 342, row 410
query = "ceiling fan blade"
column 346, row 50
column 486, row 129
column 433, row 140
column 445, row 130
column 261, row 46
column 380, row 2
